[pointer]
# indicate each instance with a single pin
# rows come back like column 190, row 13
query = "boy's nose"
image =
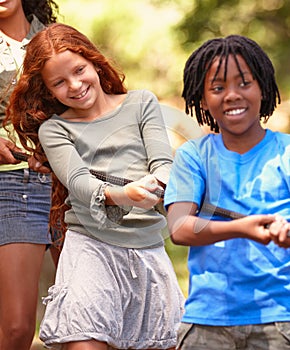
column 232, row 95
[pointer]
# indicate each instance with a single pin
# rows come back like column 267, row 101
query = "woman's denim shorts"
column 24, row 207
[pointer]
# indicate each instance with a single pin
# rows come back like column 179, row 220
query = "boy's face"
column 235, row 102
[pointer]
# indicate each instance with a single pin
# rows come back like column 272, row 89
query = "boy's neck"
column 243, row 143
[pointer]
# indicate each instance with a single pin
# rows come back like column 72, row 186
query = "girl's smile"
column 81, row 95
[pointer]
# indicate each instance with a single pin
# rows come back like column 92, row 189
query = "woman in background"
column 24, row 194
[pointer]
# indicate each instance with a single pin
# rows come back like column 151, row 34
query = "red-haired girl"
column 115, row 285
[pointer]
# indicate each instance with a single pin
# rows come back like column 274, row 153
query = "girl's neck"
column 16, row 26
column 106, row 103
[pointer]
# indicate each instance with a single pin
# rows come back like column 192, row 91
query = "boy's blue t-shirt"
column 238, row 281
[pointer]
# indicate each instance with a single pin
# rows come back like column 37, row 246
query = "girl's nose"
column 74, row 84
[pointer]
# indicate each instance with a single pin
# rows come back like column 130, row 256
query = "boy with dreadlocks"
column 239, row 269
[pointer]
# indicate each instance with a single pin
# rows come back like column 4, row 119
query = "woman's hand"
column 35, row 165
column 6, row 156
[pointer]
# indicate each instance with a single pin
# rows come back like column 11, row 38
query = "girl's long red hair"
column 31, row 102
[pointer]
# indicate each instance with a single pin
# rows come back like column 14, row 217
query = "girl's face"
column 73, row 80
column 235, row 102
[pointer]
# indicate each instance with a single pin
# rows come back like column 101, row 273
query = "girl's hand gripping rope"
column 141, row 192
column 136, row 193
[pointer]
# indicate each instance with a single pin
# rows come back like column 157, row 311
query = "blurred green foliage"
column 151, row 39
column 265, row 21
column 138, row 35
column 178, row 255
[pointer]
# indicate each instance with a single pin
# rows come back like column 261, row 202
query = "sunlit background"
column 150, row 40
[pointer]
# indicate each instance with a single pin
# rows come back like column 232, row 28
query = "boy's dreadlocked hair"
column 201, row 60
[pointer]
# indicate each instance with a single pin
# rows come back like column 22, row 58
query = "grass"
column 178, row 256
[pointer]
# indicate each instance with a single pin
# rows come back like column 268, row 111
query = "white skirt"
column 128, row 298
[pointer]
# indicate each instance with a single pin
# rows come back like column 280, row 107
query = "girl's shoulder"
column 54, row 123
column 142, row 95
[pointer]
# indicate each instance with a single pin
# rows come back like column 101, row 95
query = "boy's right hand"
column 266, row 228
column 280, row 232
column 256, row 227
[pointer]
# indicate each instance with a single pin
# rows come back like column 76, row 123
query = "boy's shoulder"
column 198, row 148
column 200, row 142
column 280, row 137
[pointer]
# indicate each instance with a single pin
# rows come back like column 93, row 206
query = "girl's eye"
column 80, row 69
column 58, row 83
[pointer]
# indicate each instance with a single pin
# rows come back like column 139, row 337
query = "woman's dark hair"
column 201, row 60
column 45, row 10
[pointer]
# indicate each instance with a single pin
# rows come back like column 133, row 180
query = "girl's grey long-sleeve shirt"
column 131, row 142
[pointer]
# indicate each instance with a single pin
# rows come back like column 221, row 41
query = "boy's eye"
column 245, row 83
column 217, row 88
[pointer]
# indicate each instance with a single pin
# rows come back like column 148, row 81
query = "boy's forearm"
column 188, row 229
column 194, row 231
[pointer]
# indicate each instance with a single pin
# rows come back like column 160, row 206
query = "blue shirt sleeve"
column 187, row 177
